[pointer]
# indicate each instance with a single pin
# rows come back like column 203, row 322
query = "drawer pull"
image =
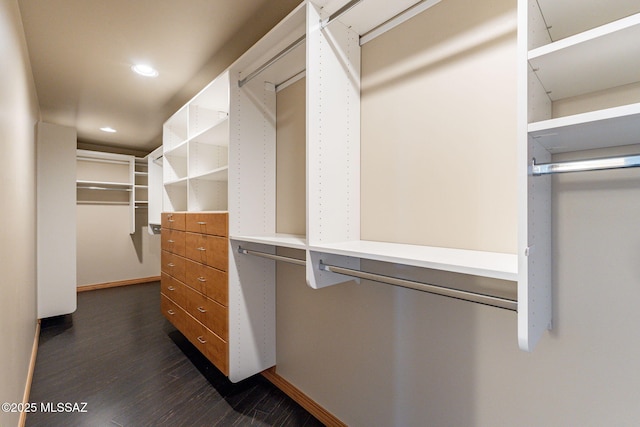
column 171, row 288
column 202, row 340
column 171, row 220
column 202, row 279
column 171, row 241
column 171, row 264
column 171, row 312
column 202, row 222
column 202, row 249
column 202, row 310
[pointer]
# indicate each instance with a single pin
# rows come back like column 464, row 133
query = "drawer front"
column 173, row 241
column 208, row 312
column 208, row 281
column 209, row 344
column 210, row 250
column 173, row 313
column 217, row 351
column 208, row 223
column 173, row 220
column 173, row 289
column 173, row 265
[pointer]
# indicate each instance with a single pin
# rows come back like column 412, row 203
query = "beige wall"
column 106, row 250
column 376, row 355
column 18, row 116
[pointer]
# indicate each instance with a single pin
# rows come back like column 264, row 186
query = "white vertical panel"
column 333, row 131
column 252, row 161
column 155, row 187
column 534, row 284
column 56, row 219
column 252, row 185
column 252, row 314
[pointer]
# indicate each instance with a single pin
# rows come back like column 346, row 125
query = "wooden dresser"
column 194, row 292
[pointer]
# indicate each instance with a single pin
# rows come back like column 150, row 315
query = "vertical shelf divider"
column 333, row 141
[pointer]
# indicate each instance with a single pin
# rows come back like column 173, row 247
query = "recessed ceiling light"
column 145, row 70
column 108, row 129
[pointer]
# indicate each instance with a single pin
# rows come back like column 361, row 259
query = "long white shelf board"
column 180, row 150
column 216, row 134
column 601, row 58
column 596, row 129
column 566, row 18
column 81, row 183
column 179, row 182
column 219, row 174
column 293, row 241
column 477, row 263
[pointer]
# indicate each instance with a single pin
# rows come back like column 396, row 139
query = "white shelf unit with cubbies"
column 141, row 183
column 572, row 54
column 195, row 152
column 107, row 179
column 228, row 134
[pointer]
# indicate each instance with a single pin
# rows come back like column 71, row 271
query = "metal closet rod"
column 272, row 256
column 296, row 43
column 602, row 163
column 424, row 287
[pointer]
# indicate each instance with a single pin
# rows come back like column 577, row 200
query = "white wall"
column 18, row 116
column 376, row 355
column 106, row 250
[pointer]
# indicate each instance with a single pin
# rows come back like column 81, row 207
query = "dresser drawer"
column 174, row 314
column 173, row 241
column 210, row 250
column 208, row 281
column 173, row 220
column 173, row 264
column 173, row 289
column 208, row 312
column 209, row 344
column 214, row 223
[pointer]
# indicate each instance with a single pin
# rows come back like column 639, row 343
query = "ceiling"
column 81, row 53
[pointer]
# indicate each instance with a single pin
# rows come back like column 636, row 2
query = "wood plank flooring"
column 131, row 367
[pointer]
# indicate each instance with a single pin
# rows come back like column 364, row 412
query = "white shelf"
column 596, row 129
column 181, row 182
column 292, row 241
column 180, row 150
column 217, row 134
column 477, row 263
column 115, row 185
column 566, row 18
column 571, row 66
column 219, row 174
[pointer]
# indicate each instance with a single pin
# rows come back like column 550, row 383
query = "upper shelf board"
column 367, row 14
column 292, row 241
column 597, row 129
column 476, row 263
column 601, row 58
column 567, row 18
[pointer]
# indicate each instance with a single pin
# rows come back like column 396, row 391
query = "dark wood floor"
column 131, row 367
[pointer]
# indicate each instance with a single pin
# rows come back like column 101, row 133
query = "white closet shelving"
column 195, row 152
column 220, row 151
column 569, row 50
column 107, row 179
column 141, row 183
column 155, row 190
